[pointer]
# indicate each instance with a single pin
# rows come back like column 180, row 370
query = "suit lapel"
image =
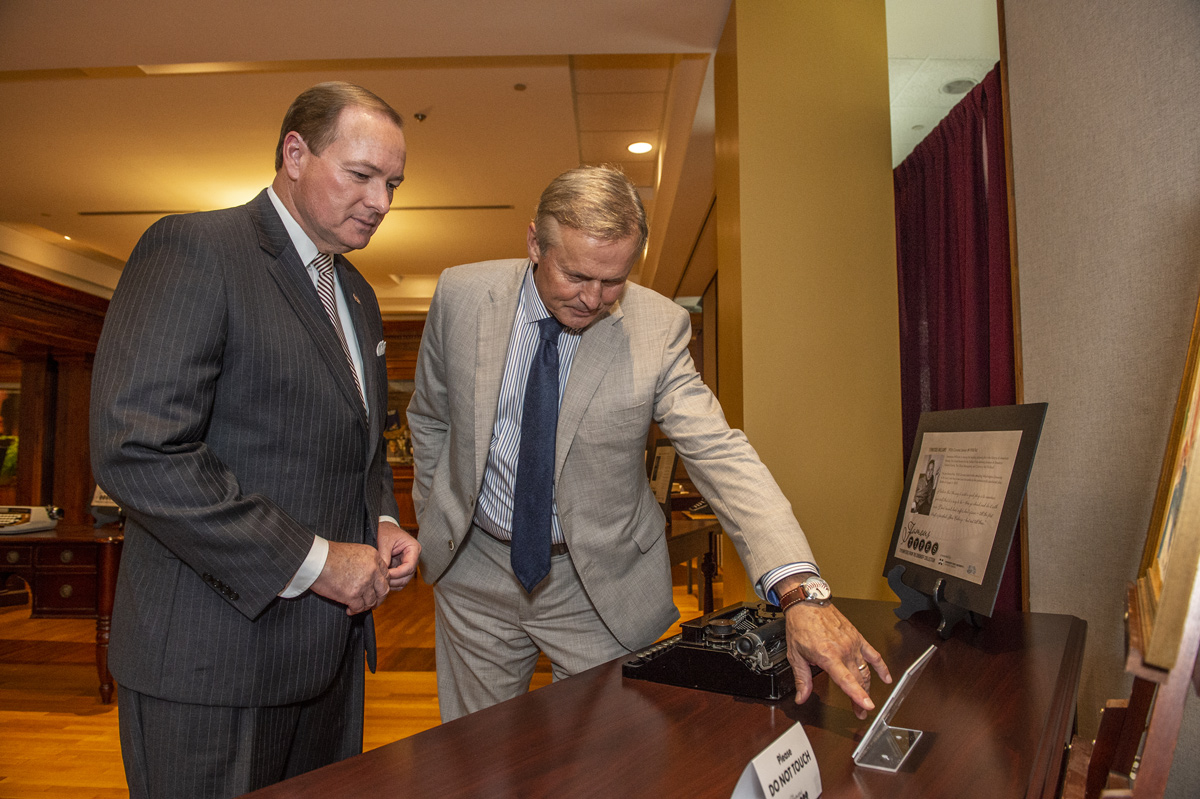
column 491, row 348
column 596, row 350
column 297, row 288
column 366, row 350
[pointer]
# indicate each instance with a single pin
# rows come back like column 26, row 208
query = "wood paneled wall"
column 52, row 331
column 403, row 341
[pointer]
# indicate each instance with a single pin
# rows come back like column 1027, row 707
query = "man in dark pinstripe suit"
column 238, row 421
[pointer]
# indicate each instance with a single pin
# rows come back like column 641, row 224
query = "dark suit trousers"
column 180, row 751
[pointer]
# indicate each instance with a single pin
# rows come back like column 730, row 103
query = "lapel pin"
column 356, row 299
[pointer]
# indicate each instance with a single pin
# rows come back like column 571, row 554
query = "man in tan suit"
column 586, row 578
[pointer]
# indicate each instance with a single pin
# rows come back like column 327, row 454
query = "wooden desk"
column 688, row 539
column 72, row 573
column 996, row 706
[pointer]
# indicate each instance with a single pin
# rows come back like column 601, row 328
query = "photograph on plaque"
column 962, row 498
column 1169, row 557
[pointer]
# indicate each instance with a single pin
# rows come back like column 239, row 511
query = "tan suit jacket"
column 632, row 366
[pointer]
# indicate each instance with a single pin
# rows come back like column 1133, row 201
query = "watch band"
column 797, row 590
column 802, row 594
column 785, row 605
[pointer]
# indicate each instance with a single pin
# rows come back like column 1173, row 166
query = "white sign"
column 100, row 499
column 661, row 472
column 786, row 769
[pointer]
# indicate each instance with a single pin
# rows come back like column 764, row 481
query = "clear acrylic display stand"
column 885, row 748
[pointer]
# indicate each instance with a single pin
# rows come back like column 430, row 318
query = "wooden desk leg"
column 110, row 555
column 709, row 569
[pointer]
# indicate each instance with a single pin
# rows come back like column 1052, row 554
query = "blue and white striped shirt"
column 494, row 510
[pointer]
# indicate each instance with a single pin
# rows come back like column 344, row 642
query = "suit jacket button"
column 234, row 596
column 451, row 544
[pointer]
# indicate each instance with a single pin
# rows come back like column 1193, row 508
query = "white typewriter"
column 21, row 519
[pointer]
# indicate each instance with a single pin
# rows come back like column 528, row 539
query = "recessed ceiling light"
column 640, row 147
column 68, row 238
column 960, row 86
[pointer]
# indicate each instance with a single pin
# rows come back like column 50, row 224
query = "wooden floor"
column 58, row 740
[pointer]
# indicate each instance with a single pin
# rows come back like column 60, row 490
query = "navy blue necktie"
column 533, row 495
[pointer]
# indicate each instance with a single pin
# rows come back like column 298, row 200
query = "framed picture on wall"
column 1172, row 549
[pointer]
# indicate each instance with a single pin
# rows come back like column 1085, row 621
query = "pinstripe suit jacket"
column 226, row 423
column 632, row 366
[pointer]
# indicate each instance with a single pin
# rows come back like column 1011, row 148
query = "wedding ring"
column 862, row 666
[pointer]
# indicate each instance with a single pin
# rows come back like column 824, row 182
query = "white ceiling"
column 117, row 112
column 930, row 44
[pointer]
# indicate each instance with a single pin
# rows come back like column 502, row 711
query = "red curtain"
column 956, row 334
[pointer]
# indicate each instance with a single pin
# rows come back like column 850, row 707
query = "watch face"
column 817, row 589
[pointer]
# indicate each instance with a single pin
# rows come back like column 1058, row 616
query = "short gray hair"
column 598, row 201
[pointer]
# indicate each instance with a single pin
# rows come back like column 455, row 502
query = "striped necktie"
column 323, row 263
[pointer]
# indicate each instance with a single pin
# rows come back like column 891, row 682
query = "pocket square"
column 380, row 348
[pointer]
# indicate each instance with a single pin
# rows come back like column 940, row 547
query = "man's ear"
column 531, row 243
column 294, row 152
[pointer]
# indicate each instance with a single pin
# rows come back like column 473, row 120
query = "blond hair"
column 598, row 201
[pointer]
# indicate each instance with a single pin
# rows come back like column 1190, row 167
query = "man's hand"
column 819, row 634
column 355, row 575
column 399, row 551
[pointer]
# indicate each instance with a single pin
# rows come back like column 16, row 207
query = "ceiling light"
column 640, row 147
column 68, row 238
column 960, row 86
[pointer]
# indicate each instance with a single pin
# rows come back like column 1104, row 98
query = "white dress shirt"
column 311, row 568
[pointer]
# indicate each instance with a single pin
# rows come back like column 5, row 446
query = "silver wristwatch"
column 815, row 589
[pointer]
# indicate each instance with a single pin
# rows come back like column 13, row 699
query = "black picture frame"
column 660, row 468
column 941, row 587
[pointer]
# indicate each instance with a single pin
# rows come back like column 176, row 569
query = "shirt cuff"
column 765, row 587
column 389, row 519
column 309, row 570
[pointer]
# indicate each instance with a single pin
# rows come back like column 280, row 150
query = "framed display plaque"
column 1171, row 555
column 962, row 498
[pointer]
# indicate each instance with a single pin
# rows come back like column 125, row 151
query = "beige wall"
column 1105, row 102
column 807, row 274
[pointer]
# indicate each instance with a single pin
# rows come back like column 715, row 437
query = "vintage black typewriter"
column 740, row 650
